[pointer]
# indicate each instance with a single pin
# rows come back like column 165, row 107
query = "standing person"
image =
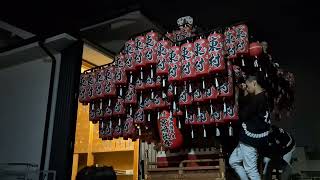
column 278, row 153
column 254, row 129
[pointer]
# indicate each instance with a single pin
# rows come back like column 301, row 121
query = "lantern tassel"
column 174, row 106
column 163, row 82
column 141, row 73
column 242, row 61
column 204, row 132
column 230, row 130
column 130, row 110
column 175, row 90
column 203, row 84
column 140, row 99
column 217, row 131
column 120, row 93
column 216, row 82
column 151, row 72
column 192, row 135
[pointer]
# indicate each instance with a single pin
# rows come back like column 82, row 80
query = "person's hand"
column 243, row 86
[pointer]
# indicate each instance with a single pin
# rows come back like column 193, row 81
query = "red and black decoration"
column 181, row 85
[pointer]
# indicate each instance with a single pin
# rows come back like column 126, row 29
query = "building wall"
column 24, row 96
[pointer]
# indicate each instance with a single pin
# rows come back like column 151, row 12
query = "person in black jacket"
column 278, row 153
column 254, row 129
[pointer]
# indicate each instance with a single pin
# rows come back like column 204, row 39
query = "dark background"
column 290, row 27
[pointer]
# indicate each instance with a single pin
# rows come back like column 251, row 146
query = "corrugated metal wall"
column 152, row 153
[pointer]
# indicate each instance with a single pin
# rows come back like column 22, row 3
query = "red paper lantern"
column 128, row 128
column 189, row 118
column 140, row 86
column 130, row 63
column 232, row 113
column 130, row 56
column 107, row 130
column 217, row 115
column 163, row 47
column 255, row 49
column 170, row 92
column 185, row 98
column 198, row 96
column 174, row 64
column 129, row 47
column 83, row 90
column 150, row 52
column 139, row 115
column 216, row 52
column 117, row 132
column 92, row 112
column 226, row 88
column 201, row 117
column 99, row 111
column 107, row 111
column 140, row 46
column 231, row 43
column 91, row 83
column 120, row 76
column 119, row 108
column 211, row 93
column 158, row 101
column 187, row 55
column 201, row 57
column 120, row 60
column 131, row 95
column 148, row 104
column 170, row 135
column 150, row 84
column 158, row 82
column 242, row 39
column 151, row 39
column 99, row 80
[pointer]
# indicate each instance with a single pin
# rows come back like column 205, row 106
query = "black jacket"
column 280, row 143
column 254, row 119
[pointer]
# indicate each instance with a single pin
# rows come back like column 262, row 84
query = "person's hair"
column 96, row 173
column 252, row 78
column 259, row 78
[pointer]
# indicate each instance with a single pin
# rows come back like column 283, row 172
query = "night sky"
column 290, row 27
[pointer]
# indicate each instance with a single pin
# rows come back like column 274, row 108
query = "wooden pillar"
column 75, row 163
column 90, row 158
column 136, row 159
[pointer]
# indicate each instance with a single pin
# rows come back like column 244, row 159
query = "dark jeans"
column 279, row 165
